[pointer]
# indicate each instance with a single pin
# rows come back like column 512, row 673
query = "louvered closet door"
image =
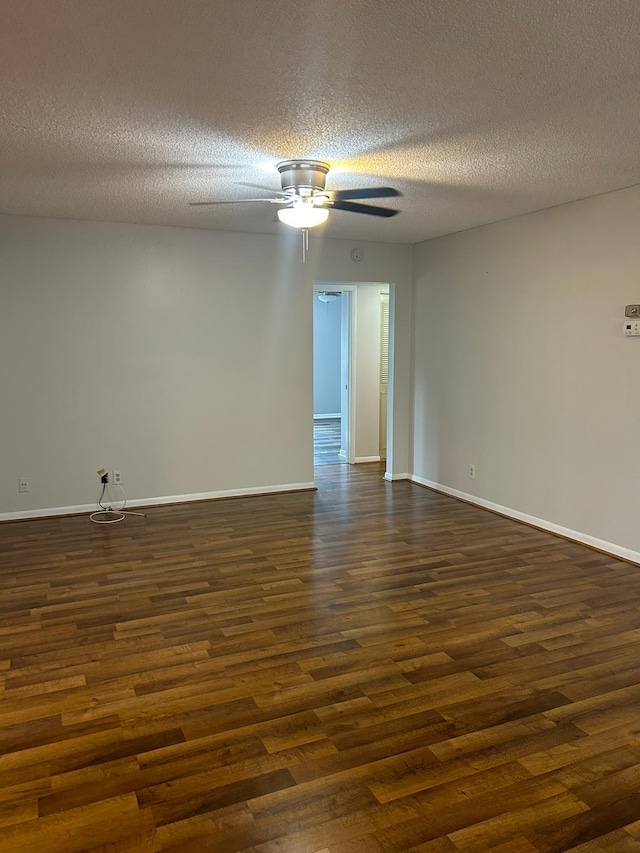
column 384, row 370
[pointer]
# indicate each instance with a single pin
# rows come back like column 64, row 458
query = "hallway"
column 326, row 441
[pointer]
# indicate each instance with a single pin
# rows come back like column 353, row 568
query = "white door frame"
column 352, row 289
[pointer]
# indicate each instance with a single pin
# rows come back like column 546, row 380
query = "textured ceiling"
column 126, row 110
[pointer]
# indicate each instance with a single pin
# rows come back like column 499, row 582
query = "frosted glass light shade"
column 303, row 215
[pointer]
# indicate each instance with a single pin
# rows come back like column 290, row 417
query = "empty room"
column 421, row 631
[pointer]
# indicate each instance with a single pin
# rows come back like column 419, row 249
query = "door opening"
column 366, row 372
column 331, row 380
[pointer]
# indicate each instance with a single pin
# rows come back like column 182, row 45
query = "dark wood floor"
column 327, row 441
column 372, row 667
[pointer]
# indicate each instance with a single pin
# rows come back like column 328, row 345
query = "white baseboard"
column 367, row 459
column 326, row 417
column 157, row 501
column 393, row 477
column 24, row 514
column 541, row 523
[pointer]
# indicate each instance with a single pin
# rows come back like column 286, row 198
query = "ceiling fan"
column 304, row 199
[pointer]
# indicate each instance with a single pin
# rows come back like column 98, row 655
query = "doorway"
column 331, row 380
column 351, row 364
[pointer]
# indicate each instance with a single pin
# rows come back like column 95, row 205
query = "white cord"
column 98, row 516
column 96, row 520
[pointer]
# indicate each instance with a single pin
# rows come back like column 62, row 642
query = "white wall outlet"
column 631, row 328
column 23, row 485
column 116, row 477
column 472, row 472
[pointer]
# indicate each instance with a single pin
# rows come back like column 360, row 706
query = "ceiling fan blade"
column 259, row 187
column 353, row 207
column 365, row 192
column 240, row 201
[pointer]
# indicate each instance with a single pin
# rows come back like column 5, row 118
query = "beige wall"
column 521, row 368
column 181, row 357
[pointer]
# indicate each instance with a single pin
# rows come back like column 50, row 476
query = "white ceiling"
column 126, row 110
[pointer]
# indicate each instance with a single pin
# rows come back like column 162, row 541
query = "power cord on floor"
column 116, row 515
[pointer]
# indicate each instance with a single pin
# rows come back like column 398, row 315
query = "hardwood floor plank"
column 592, row 824
column 528, row 819
column 111, row 820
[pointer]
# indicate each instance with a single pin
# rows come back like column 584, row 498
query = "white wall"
column 182, row 357
column 521, row 367
column 326, row 356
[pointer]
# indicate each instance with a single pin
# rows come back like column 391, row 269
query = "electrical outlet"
column 23, row 485
column 116, row 477
column 472, row 472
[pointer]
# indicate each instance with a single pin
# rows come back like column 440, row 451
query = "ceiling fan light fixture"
column 303, row 215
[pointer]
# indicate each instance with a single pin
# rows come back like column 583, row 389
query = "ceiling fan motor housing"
column 303, row 177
